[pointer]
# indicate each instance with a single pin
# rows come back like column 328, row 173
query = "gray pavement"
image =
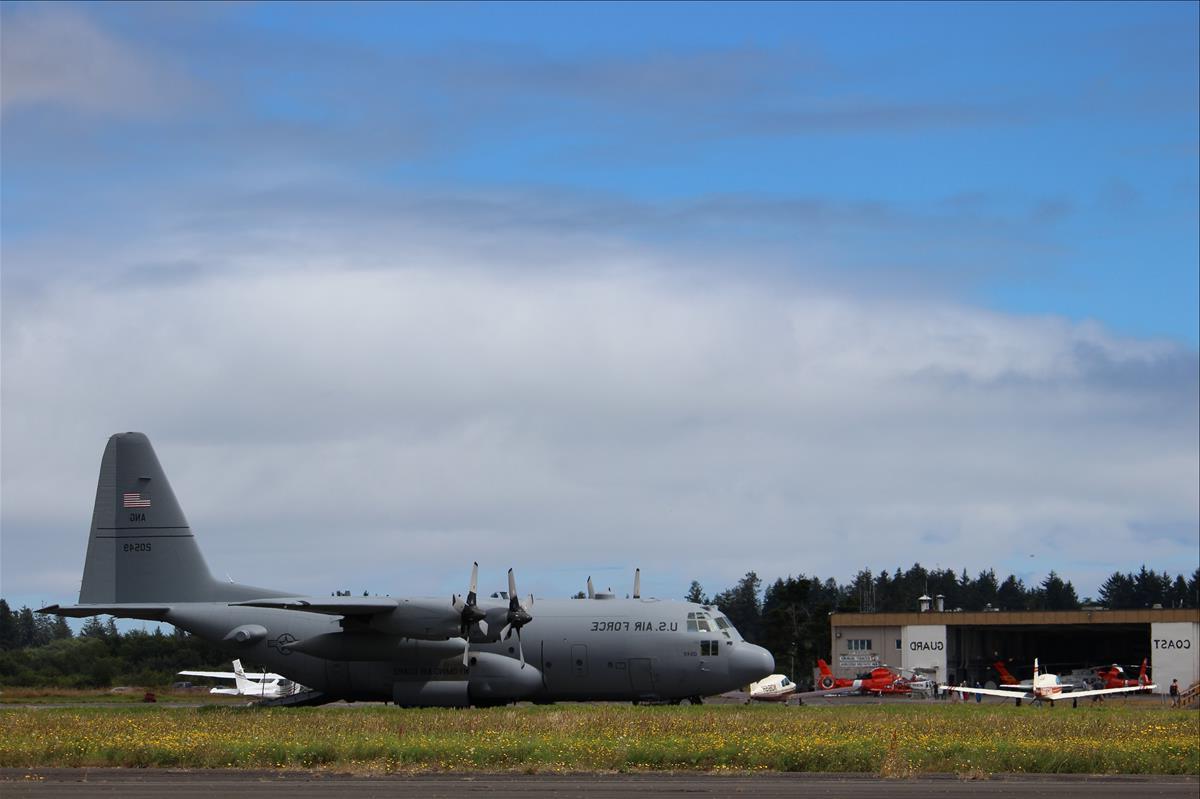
column 43, row 783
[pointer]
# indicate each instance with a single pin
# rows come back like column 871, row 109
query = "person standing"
column 1174, row 691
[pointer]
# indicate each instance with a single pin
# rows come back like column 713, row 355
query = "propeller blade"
column 637, row 583
column 467, row 653
column 591, row 591
column 474, row 582
column 512, row 587
column 520, row 648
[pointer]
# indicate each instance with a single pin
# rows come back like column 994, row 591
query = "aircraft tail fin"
column 824, row 667
column 1035, row 671
column 1142, row 679
column 1006, row 678
column 244, row 685
column 141, row 549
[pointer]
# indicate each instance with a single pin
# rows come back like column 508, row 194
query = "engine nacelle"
column 246, row 635
column 500, row 677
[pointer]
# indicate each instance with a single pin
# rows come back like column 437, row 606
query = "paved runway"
column 181, row 784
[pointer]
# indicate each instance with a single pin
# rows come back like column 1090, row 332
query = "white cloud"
column 55, row 55
column 336, row 427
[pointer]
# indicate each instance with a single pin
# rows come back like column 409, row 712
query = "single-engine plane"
column 143, row 562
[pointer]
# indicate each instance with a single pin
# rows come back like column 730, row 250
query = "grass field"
column 891, row 740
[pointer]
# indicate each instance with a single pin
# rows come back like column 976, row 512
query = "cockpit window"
column 722, row 622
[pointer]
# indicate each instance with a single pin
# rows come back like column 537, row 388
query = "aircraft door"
column 641, row 676
column 579, row 659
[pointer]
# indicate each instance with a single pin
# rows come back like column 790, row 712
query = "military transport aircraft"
column 1043, row 686
column 264, row 686
column 143, row 563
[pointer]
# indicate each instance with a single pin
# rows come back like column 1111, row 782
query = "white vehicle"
column 259, row 684
column 1043, row 686
column 773, row 688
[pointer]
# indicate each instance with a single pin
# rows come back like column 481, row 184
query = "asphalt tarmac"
column 180, row 784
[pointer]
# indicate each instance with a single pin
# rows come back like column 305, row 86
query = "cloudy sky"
column 580, row 288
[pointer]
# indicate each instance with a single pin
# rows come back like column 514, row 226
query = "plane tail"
column 1142, row 678
column 244, row 685
column 824, row 667
column 1006, row 678
column 141, row 549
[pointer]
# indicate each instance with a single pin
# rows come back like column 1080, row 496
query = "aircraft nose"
column 750, row 663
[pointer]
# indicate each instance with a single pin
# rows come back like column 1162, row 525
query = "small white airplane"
column 263, row 685
column 1043, row 686
column 773, row 688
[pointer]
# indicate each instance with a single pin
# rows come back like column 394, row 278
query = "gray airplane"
column 143, row 563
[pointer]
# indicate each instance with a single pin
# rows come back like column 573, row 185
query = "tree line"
column 790, row 617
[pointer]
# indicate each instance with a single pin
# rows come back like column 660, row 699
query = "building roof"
column 1018, row 617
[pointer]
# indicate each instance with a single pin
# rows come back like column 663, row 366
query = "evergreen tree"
column 26, row 628
column 695, row 594
column 1058, row 595
column 8, row 627
column 1116, row 593
column 741, row 605
column 60, row 630
column 1011, row 594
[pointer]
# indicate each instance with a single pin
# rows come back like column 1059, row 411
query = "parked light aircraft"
column 264, row 686
column 773, row 688
column 1043, row 686
column 143, row 562
column 1008, row 681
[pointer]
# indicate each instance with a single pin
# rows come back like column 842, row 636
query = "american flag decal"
column 135, row 500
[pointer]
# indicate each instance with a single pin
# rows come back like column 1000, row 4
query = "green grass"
column 893, row 740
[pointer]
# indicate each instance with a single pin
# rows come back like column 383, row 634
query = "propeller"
column 637, row 583
column 468, row 612
column 517, row 616
column 591, row 591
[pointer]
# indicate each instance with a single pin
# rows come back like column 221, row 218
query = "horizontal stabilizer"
column 125, row 610
column 332, row 606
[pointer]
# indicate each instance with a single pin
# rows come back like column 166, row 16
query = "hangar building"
column 953, row 646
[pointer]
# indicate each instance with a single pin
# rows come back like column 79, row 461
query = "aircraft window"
column 722, row 622
column 704, row 628
column 691, row 616
column 716, row 648
column 691, row 625
column 704, row 648
column 786, row 682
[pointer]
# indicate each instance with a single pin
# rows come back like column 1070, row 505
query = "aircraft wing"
column 229, row 675
column 332, row 606
column 989, row 692
column 1101, row 691
column 216, row 675
column 130, row 610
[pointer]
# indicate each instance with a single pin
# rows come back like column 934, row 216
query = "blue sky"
column 1037, row 158
column 982, row 217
